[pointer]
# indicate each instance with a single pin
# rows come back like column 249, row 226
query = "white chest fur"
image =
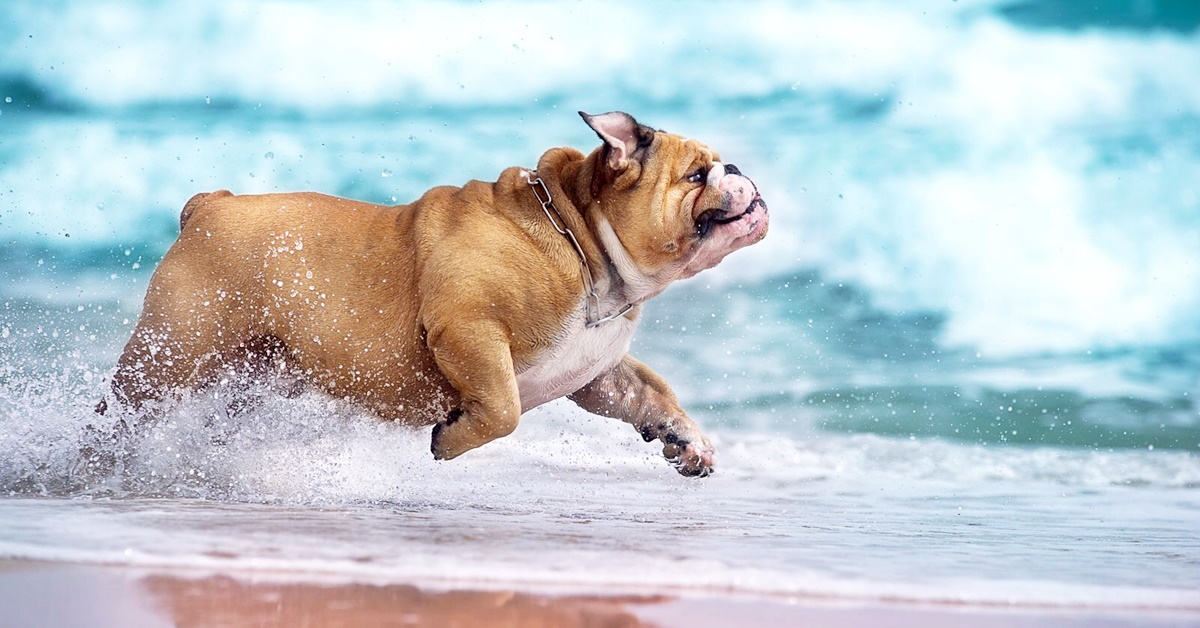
column 580, row 356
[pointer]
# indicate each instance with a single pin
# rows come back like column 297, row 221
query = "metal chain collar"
column 592, row 316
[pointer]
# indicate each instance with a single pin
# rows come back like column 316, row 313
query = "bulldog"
column 464, row 309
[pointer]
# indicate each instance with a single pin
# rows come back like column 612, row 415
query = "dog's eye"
column 696, row 177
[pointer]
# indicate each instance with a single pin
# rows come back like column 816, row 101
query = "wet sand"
column 63, row 594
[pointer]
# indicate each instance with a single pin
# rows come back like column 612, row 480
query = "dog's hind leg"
column 185, row 332
column 161, row 362
column 175, row 347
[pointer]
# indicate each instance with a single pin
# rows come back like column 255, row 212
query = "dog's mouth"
column 755, row 203
column 711, row 218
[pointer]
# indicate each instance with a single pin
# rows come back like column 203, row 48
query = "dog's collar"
column 592, row 317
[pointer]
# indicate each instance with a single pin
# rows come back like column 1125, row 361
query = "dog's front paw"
column 692, row 458
column 465, row 429
column 443, row 444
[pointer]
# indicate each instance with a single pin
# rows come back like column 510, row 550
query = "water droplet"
column 8, row 99
column 269, row 155
column 386, row 173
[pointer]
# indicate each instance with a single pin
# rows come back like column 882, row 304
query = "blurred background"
column 986, row 213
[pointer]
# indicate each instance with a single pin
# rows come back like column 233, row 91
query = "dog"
column 464, row 309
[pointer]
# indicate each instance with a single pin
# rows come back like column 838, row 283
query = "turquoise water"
column 964, row 365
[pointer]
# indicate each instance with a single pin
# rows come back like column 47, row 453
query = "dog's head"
column 669, row 208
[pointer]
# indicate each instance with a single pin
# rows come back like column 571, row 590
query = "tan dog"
column 464, row 309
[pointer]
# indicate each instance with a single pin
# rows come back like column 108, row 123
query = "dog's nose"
column 732, row 169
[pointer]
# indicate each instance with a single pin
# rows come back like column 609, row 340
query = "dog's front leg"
column 478, row 362
column 634, row 393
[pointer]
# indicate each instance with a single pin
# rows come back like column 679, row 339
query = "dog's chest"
column 578, row 358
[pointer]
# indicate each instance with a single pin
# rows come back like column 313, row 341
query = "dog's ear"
column 625, row 138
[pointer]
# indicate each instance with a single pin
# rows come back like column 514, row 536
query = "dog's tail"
column 196, row 202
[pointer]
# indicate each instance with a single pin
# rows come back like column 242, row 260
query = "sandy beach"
column 60, row 594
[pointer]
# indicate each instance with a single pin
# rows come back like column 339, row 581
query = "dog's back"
column 295, row 269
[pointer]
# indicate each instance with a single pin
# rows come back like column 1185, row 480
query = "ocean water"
column 963, row 367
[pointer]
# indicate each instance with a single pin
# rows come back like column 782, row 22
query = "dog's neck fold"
column 634, row 285
column 607, row 296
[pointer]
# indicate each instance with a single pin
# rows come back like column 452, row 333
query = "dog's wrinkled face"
column 674, row 207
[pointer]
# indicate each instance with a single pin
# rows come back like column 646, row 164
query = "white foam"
column 315, row 486
column 316, row 450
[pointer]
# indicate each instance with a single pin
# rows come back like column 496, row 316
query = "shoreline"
column 68, row 594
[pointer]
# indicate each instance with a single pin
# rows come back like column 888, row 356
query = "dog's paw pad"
column 690, row 459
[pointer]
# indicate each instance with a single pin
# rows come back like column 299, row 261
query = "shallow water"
column 573, row 501
column 962, row 367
